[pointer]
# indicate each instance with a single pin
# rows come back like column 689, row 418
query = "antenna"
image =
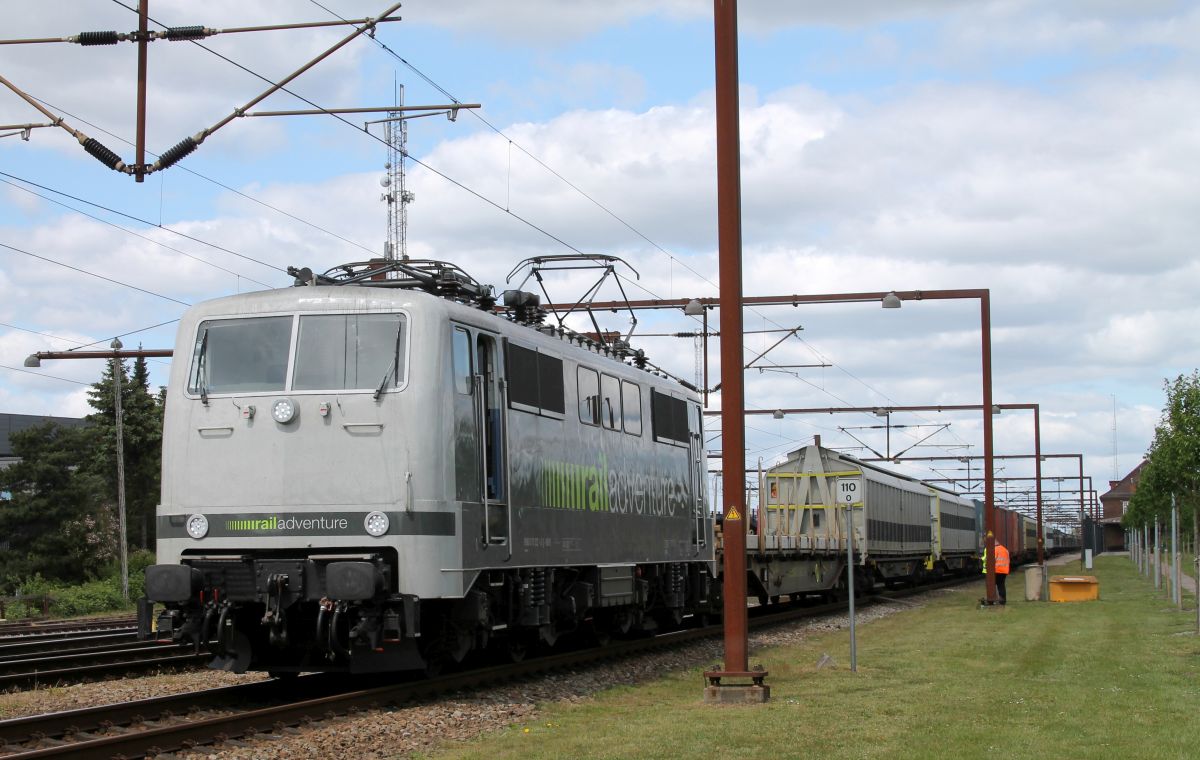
column 396, row 193
column 395, row 189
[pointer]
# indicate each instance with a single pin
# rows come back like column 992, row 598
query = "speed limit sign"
column 849, row 491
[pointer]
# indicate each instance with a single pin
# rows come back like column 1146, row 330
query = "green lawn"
column 1115, row 678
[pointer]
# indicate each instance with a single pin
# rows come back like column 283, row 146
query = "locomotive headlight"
column 283, row 410
column 197, row 526
column 377, row 524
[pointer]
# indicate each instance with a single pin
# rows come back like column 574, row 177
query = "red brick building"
column 1114, row 504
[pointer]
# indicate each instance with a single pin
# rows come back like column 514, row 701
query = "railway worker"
column 1001, row 568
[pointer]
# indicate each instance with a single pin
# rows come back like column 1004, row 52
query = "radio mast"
column 395, row 193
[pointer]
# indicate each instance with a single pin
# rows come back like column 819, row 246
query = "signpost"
column 849, row 493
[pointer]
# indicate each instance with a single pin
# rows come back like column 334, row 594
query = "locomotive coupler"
column 205, row 635
column 276, row 616
column 168, row 624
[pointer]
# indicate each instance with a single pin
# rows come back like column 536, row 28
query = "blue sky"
column 1044, row 150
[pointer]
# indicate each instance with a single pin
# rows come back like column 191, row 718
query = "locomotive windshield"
column 241, row 355
column 349, row 351
column 333, row 352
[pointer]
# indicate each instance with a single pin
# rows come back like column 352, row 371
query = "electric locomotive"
column 374, row 470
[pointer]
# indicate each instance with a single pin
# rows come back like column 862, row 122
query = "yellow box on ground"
column 1074, row 588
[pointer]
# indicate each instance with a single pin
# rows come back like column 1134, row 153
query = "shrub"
column 90, row 598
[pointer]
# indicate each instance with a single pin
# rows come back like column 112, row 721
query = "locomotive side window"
column 610, row 403
column 589, row 396
column 551, row 393
column 522, row 378
column 240, row 355
column 669, row 418
column 535, row 381
column 461, row 349
column 631, row 407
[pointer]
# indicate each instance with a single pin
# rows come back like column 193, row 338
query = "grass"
column 1115, row 678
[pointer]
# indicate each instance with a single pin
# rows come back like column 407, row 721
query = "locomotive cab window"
column 631, row 407
column 589, row 396
column 240, row 355
column 461, row 352
column 350, row 352
column 610, row 402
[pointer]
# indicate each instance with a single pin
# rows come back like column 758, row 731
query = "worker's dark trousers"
column 1000, row 592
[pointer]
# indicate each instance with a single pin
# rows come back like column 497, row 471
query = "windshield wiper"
column 395, row 368
column 202, row 369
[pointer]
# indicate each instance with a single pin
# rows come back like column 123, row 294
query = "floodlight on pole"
column 778, row 414
column 892, row 301
column 694, row 308
column 33, row 361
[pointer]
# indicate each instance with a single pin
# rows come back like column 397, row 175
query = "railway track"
column 33, row 646
column 166, row 724
column 95, row 662
column 50, row 628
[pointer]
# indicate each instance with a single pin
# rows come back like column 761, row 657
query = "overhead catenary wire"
column 131, row 232
column 95, row 342
column 146, row 222
column 93, row 274
column 213, row 181
column 39, row 374
column 179, row 33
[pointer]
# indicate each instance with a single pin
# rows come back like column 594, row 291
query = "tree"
column 56, row 523
column 143, row 414
column 1173, row 462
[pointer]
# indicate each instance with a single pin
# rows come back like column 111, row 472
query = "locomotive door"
column 481, row 435
column 697, row 465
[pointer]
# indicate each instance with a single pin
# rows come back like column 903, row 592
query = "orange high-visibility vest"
column 1001, row 559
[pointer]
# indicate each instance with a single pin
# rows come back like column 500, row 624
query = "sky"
column 1046, row 151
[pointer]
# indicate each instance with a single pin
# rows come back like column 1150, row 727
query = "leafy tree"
column 1173, row 462
column 55, row 524
column 142, row 417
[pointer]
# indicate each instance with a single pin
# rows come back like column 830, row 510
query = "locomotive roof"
column 367, row 299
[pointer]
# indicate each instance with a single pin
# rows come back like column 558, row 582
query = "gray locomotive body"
column 369, row 478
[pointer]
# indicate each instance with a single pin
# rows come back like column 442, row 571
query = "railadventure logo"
column 288, row 524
